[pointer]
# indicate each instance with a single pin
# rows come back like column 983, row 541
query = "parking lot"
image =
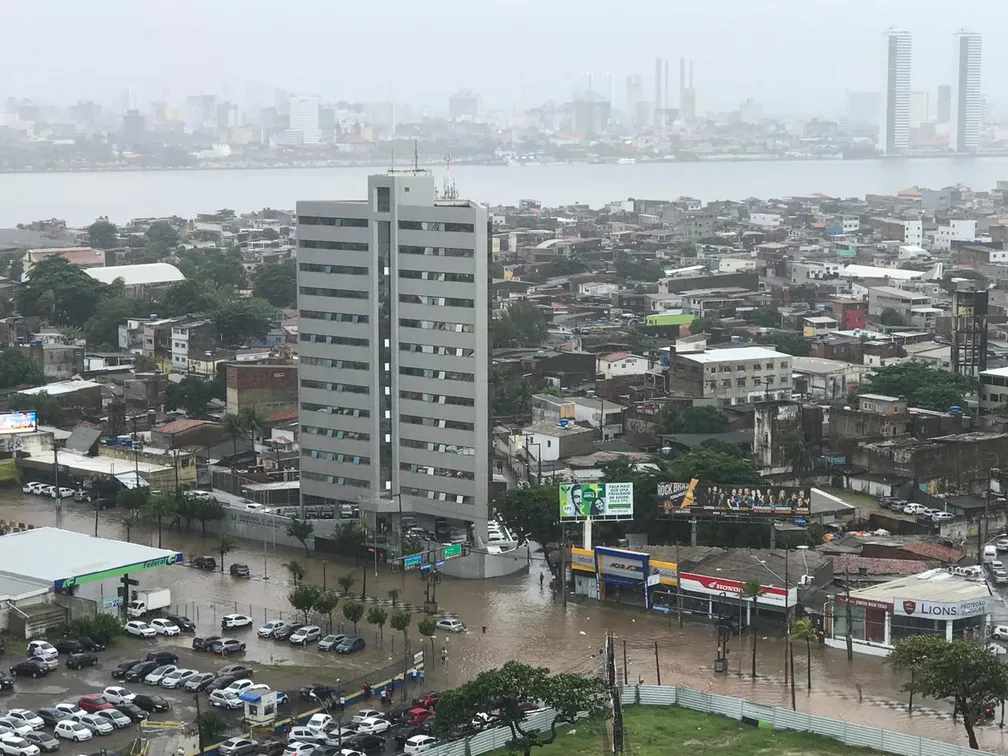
column 280, row 665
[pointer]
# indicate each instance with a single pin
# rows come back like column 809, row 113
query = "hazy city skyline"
column 520, row 55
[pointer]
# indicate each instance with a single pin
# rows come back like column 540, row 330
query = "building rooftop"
column 60, row 387
column 933, row 585
column 820, row 365
column 733, row 355
column 180, row 426
column 138, row 275
column 872, row 271
column 552, row 429
column 892, row 291
column 74, row 558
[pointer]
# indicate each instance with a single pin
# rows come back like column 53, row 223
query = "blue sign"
column 412, row 561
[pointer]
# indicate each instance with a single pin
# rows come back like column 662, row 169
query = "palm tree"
column 346, row 582
column 130, row 521
column 232, row 425
column 160, row 506
column 752, row 590
column 393, row 595
column 251, row 421
column 296, row 570
column 804, row 630
column 226, row 543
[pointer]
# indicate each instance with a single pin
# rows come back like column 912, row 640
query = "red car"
column 427, row 701
column 417, row 716
column 94, row 703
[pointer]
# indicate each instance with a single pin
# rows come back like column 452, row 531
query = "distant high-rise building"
column 464, row 106
column 304, row 118
column 394, row 302
column 920, row 108
column 944, row 103
column 966, row 105
column 634, row 94
column 682, row 79
column 894, row 130
column 659, row 91
column 862, row 108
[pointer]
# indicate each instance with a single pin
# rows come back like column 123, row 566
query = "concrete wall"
column 256, row 527
column 480, row 565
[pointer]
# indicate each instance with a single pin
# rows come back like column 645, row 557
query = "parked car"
column 97, row 725
column 205, row 563
column 119, row 720
column 318, row 722
column 165, row 627
column 162, row 657
column 305, row 635
column 419, row 744
column 237, row 747
column 234, row 621
column 373, row 726
column 318, row 691
column 221, row 681
column 185, row 624
column 285, row 632
column 1001, row 544
column 239, row 570
column 177, row 678
column 134, row 712
column 13, row 727
column 42, row 649
column 93, row 703
column 27, row 717
column 350, row 645
column 330, row 642
column 203, row 643
column 68, row 646
column 267, row 630
column 90, row 644
column 417, row 716
column 271, row 747
column 139, row 671
column 225, row 699
column 297, row 748
column 70, row 730
column 302, row 734
column 226, row 647
column 81, row 660
column 32, row 667
column 151, row 703
column 15, row 745
column 238, row 670
column 139, row 629
column 451, row 625
column 6, row 681
column 198, row 681
column 156, row 675
column 365, row 743
column 428, row 701
column 45, row 742
column 50, row 716
column 116, row 695
column 942, row 517
column 123, row 667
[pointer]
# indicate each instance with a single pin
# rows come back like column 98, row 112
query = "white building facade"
column 966, row 98
column 894, row 129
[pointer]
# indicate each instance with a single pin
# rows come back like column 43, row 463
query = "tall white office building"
column 394, row 314
column 966, row 100
column 304, row 118
column 894, row 129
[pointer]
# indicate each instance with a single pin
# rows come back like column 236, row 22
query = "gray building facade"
column 394, row 308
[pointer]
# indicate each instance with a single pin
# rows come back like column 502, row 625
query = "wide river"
column 79, row 198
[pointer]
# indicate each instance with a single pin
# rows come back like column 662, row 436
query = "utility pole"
column 850, row 637
column 787, row 613
column 657, row 665
column 199, row 718
column 626, row 678
column 678, row 567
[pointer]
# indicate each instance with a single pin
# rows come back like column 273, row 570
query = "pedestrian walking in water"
column 444, row 655
column 542, row 577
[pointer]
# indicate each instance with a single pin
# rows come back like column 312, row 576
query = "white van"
column 990, row 554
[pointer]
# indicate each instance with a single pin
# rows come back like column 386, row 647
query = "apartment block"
column 394, row 309
column 730, row 376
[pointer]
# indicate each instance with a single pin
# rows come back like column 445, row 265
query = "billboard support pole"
column 678, row 568
column 587, row 534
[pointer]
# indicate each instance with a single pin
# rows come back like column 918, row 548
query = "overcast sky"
column 794, row 56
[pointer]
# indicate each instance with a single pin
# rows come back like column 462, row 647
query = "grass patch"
column 663, row 730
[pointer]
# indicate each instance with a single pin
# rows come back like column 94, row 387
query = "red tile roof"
column 935, row 551
column 73, row 255
column 283, row 416
column 179, row 426
column 615, row 356
column 853, row 564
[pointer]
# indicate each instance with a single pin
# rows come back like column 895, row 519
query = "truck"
column 146, row 602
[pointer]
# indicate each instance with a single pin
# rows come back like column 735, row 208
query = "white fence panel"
column 694, row 699
column 757, row 711
column 831, row 728
column 726, row 706
column 901, row 743
column 654, row 695
column 785, row 719
column 866, row 737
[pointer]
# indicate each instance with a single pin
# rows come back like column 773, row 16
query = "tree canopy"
column 522, row 324
column 890, row 317
column 59, row 292
column 192, row 394
column 102, row 234
column 532, row 512
column 240, row 319
column 787, row 342
column 673, row 419
column 511, row 393
column 767, row 317
column 922, row 385
column 277, row 283
column 18, row 368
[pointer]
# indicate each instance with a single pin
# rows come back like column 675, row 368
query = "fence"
column 849, row 733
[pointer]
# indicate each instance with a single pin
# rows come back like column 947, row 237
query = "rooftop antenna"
column 416, row 155
column 391, row 167
column 450, row 192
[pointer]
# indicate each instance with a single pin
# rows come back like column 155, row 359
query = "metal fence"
column 849, row 733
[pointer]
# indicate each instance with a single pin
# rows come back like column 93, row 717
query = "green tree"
column 60, row 292
column 400, row 621
column 102, row 329
column 163, row 232
column 377, row 616
column 752, row 591
column 714, row 463
column 909, row 656
column 191, row 295
column 102, row 234
column 252, row 421
column 132, row 518
column 890, row 317
column 303, row 599
column 504, row 690
column 226, row 543
column 393, row 594
column 346, row 582
column 18, row 368
column 326, row 604
column 159, row 507
column 353, row 611
column 277, row 283
column 296, row 570
column 531, row 512
column 232, row 426
column 427, row 628
column 521, row 325
column 192, row 394
column 511, row 393
column 804, row 630
column 704, row 419
column 922, row 385
column 766, row 317
column 787, row 342
column 50, row 411
column 205, row 510
column 226, row 271
column 965, row 673
column 302, row 531
column 212, row 728
column 240, row 320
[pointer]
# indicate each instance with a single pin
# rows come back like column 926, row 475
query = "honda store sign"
column 946, row 610
column 715, row 586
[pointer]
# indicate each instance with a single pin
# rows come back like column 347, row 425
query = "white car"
column 297, row 748
column 318, row 722
column 1001, row 544
column 363, row 714
column 70, row 730
column 70, row 709
column 239, row 686
column 177, row 678
column 267, row 630
column 13, row 745
column 27, row 716
column 156, row 675
column 165, row 627
column 418, row 744
column 139, row 629
column 31, row 488
column 451, row 625
column 64, row 493
column 97, row 725
column 305, row 635
column 18, row 728
column 119, row 720
column 373, row 726
column 1001, row 632
column 42, row 649
column 226, row 699
column 116, row 695
column 302, row 735
column 231, row 621
column 45, row 490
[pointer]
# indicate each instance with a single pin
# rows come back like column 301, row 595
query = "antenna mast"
column 450, row 192
column 416, row 155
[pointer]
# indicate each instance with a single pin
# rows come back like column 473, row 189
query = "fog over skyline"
column 792, row 56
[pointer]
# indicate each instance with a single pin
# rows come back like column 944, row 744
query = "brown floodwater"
column 522, row 621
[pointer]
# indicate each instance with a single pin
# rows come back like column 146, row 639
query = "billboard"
column 941, row 609
column 694, row 498
column 579, row 501
column 18, row 422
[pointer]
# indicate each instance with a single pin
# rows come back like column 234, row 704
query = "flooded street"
column 522, row 622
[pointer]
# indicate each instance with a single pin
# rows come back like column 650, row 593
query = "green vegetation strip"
column 664, row 730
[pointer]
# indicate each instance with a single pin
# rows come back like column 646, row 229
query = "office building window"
column 345, row 270
column 340, row 388
column 453, row 401
column 321, row 338
column 328, row 409
column 438, row 350
column 443, row 472
column 335, row 317
column 423, row 299
column 464, row 451
column 434, row 422
column 436, row 325
column 335, row 480
column 335, row 364
column 409, row 249
column 384, row 199
column 442, row 276
column 424, row 493
column 441, row 375
column 314, row 430
column 315, row 220
column 319, row 291
column 344, row 245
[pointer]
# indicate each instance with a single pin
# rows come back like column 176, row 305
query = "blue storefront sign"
column 621, row 567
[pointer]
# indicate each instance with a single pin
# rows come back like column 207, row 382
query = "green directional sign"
column 453, row 551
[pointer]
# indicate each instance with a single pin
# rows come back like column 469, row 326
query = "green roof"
column 668, row 320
